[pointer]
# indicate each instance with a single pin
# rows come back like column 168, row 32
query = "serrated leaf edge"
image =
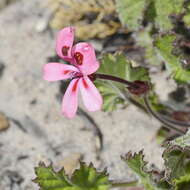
column 170, row 147
column 90, row 165
column 50, row 166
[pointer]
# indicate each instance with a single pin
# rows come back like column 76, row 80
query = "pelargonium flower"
column 83, row 63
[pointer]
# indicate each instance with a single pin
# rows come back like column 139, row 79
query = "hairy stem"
column 169, row 123
column 180, row 123
column 161, row 119
column 116, row 79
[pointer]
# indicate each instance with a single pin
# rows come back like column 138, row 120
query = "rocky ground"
column 37, row 131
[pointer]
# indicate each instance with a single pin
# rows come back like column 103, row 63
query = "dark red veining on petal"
column 66, row 72
column 75, row 86
column 79, row 58
column 84, row 83
column 65, row 50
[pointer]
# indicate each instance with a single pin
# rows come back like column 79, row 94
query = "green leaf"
column 164, row 45
column 164, row 9
column 183, row 183
column 163, row 185
column 117, row 65
column 131, row 12
column 151, row 180
column 150, row 13
column 138, row 165
column 85, row 178
column 186, row 20
column 47, row 178
column 183, row 141
column 113, row 65
column 112, row 92
column 177, row 162
column 136, row 73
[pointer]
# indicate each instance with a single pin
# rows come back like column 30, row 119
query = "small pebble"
column 4, row 123
column 70, row 163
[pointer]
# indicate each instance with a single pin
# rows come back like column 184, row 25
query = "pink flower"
column 83, row 63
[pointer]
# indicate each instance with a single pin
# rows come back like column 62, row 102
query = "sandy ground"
column 38, row 131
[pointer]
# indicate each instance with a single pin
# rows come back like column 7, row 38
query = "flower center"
column 79, row 58
column 65, row 50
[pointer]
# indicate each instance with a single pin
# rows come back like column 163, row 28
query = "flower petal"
column 70, row 99
column 90, row 94
column 58, row 71
column 64, row 43
column 85, row 58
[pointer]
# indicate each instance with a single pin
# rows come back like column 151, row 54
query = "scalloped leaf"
column 151, row 180
column 177, row 162
column 113, row 65
column 164, row 45
column 117, row 65
column 136, row 73
column 131, row 12
column 47, row 178
column 85, row 178
column 164, row 9
column 112, row 92
column 138, row 165
column 183, row 141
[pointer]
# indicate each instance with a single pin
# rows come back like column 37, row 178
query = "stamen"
column 79, row 58
column 65, row 50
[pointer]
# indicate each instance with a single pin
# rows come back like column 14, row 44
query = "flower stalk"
column 114, row 78
column 142, row 88
column 136, row 87
column 166, row 123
